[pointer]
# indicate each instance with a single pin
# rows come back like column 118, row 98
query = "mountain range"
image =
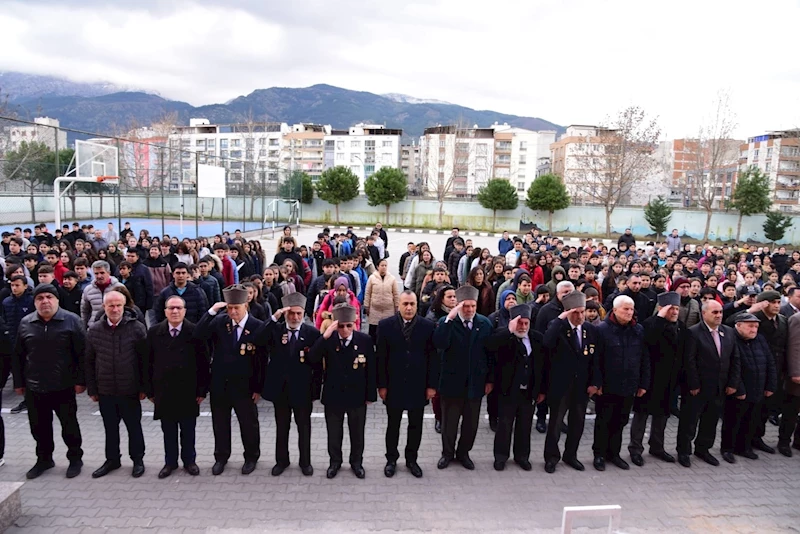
column 106, row 108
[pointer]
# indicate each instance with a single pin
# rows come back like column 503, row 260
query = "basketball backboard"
column 96, row 157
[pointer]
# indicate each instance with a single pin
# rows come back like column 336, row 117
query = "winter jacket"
column 624, row 361
column 92, row 301
column 758, row 370
column 194, row 297
column 135, row 286
column 14, row 309
column 452, row 265
column 551, row 285
column 419, row 276
column 673, row 243
column 161, row 274
column 381, row 297
column 48, row 356
column 115, row 356
column 143, row 272
column 211, row 287
column 327, row 305
column 504, row 245
column 70, row 300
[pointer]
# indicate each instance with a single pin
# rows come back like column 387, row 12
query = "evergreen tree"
column 657, row 213
column 336, row 185
column 297, row 186
column 776, row 225
column 386, row 187
column 751, row 195
column 548, row 193
column 498, row 194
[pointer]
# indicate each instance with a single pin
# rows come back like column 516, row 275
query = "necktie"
column 344, row 343
column 715, row 335
column 174, row 332
column 577, row 337
column 292, row 339
column 468, row 325
column 407, row 330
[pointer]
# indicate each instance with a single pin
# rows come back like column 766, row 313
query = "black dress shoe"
column 524, row 464
column 729, row 457
column 19, row 408
column 333, row 470
column 192, row 469
column 550, row 467
column 707, row 457
column 467, row 462
column 415, row 469
column 248, row 468
column 574, row 463
column 74, row 468
column 138, row 469
column 278, row 469
column 444, row 461
column 541, row 426
column 774, row 420
column 359, row 471
column 390, row 469
column 664, row 455
column 684, row 460
column 499, row 466
column 493, row 424
column 785, row 450
column 39, row 468
column 599, row 463
column 749, row 454
column 637, row 459
column 619, row 462
column 437, row 426
column 166, row 471
column 218, row 468
column 761, row 446
column 307, row 470
column 106, row 468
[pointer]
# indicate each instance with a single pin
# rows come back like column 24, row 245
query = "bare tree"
column 617, row 159
column 715, row 152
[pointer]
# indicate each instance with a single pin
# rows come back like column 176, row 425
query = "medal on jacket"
column 285, row 339
column 250, row 347
column 242, row 349
column 355, row 363
column 302, row 357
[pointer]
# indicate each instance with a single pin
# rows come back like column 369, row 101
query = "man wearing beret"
column 774, row 327
column 572, row 345
column 665, row 339
column 350, row 385
column 237, row 375
column 518, row 364
column 465, row 376
column 408, row 373
column 288, row 380
column 742, row 412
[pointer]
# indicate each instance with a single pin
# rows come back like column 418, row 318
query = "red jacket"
column 58, row 272
column 326, row 249
column 227, row 271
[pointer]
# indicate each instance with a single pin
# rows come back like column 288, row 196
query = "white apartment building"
column 777, row 154
column 45, row 130
column 528, row 150
column 410, row 165
column 364, row 148
column 456, row 161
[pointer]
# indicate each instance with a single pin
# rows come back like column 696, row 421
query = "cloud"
column 571, row 61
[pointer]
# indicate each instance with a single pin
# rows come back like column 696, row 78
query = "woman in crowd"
column 381, row 297
column 477, row 279
column 341, row 287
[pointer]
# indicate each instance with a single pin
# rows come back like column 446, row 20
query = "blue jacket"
column 624, row 361
column 758, row 367
column 194, row 297
column 505, row 245
column 465, row 368
column 14, row 309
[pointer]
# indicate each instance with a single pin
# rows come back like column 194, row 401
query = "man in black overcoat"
column 176, row 381
column 288, row 380
column 408, row 372
column 237, row 375
column 349, row 386
column 518, row 366
column 665, row 340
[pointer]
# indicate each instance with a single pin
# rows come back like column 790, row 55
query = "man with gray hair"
column 92, row 300
column 624, row 372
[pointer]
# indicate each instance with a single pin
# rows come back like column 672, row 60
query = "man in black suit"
column 793, row 306
column 712, row 372
column 237, row 375
column 408, row 372
column 176, row 382
column 518, row 364
column 350, row 385
column 571, row 345
column 288, row 379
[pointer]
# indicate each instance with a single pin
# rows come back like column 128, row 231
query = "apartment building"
column 456, row 160
column 44, row 130
column 577, row 158
column 777, row 154
column 520, row 154
column 410, row 165
column 364, row 148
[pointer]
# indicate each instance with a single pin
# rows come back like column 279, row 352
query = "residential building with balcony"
column 364, row 148
column 777, row 154
column 44, row 130
column 519, row 153
column 410, row 165
column 456, row 160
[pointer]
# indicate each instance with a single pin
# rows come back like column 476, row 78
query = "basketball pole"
column 57, row 193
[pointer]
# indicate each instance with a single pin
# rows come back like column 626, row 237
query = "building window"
column 211, row 143
column 523, row 146
column 482, row 149
column 369, row 170
column 340, row 156
column 200, row 142
column 369, row 145
column 768, row 166
column 236, row 153
column 262, row 153
column 273, row 142
column 329, row 144
column 355, row 144
column 387, row 144
column 223, row 153
column 520, row 186
column 441, row 143
column 236, row 142
column 250, row 142
column 339, row 145
column 354, row 158
column 523, row 159
column 223, row 143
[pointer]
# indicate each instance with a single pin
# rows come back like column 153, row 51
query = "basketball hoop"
column 112, row 179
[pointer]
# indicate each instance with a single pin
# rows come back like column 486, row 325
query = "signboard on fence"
column 210, row 181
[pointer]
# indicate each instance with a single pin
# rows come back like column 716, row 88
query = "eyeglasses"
column 174, row 308
column 345, row 325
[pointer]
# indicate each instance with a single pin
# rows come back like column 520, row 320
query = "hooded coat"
column 551, row 285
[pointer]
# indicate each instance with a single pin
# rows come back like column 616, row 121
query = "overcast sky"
column 569, row 61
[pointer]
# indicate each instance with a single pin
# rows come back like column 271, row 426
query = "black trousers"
column 791, row 407
column 127, row 409
column 696, row 410
column 740, row 420
column 5, row 369
column 613, row 412
column 413, row 438
column 541, row 410
column 234, row 395
column 283, row 422
column 658, row 425
column 491, row 405
column 356, row 421
column 573, row 402
column 182, row 430
column 41, row 407
column 468, row 411
column 515, row 417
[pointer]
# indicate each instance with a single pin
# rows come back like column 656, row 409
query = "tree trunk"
column 739, row 227
column 213, row 204
column 252, row 205
column 101, row 204
column 550, row 222
column 337, row 213
column 709, row 213
column 441, row 211
column 494, row 219
column 386, row 220
column 609, row 211
column 33, row 207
